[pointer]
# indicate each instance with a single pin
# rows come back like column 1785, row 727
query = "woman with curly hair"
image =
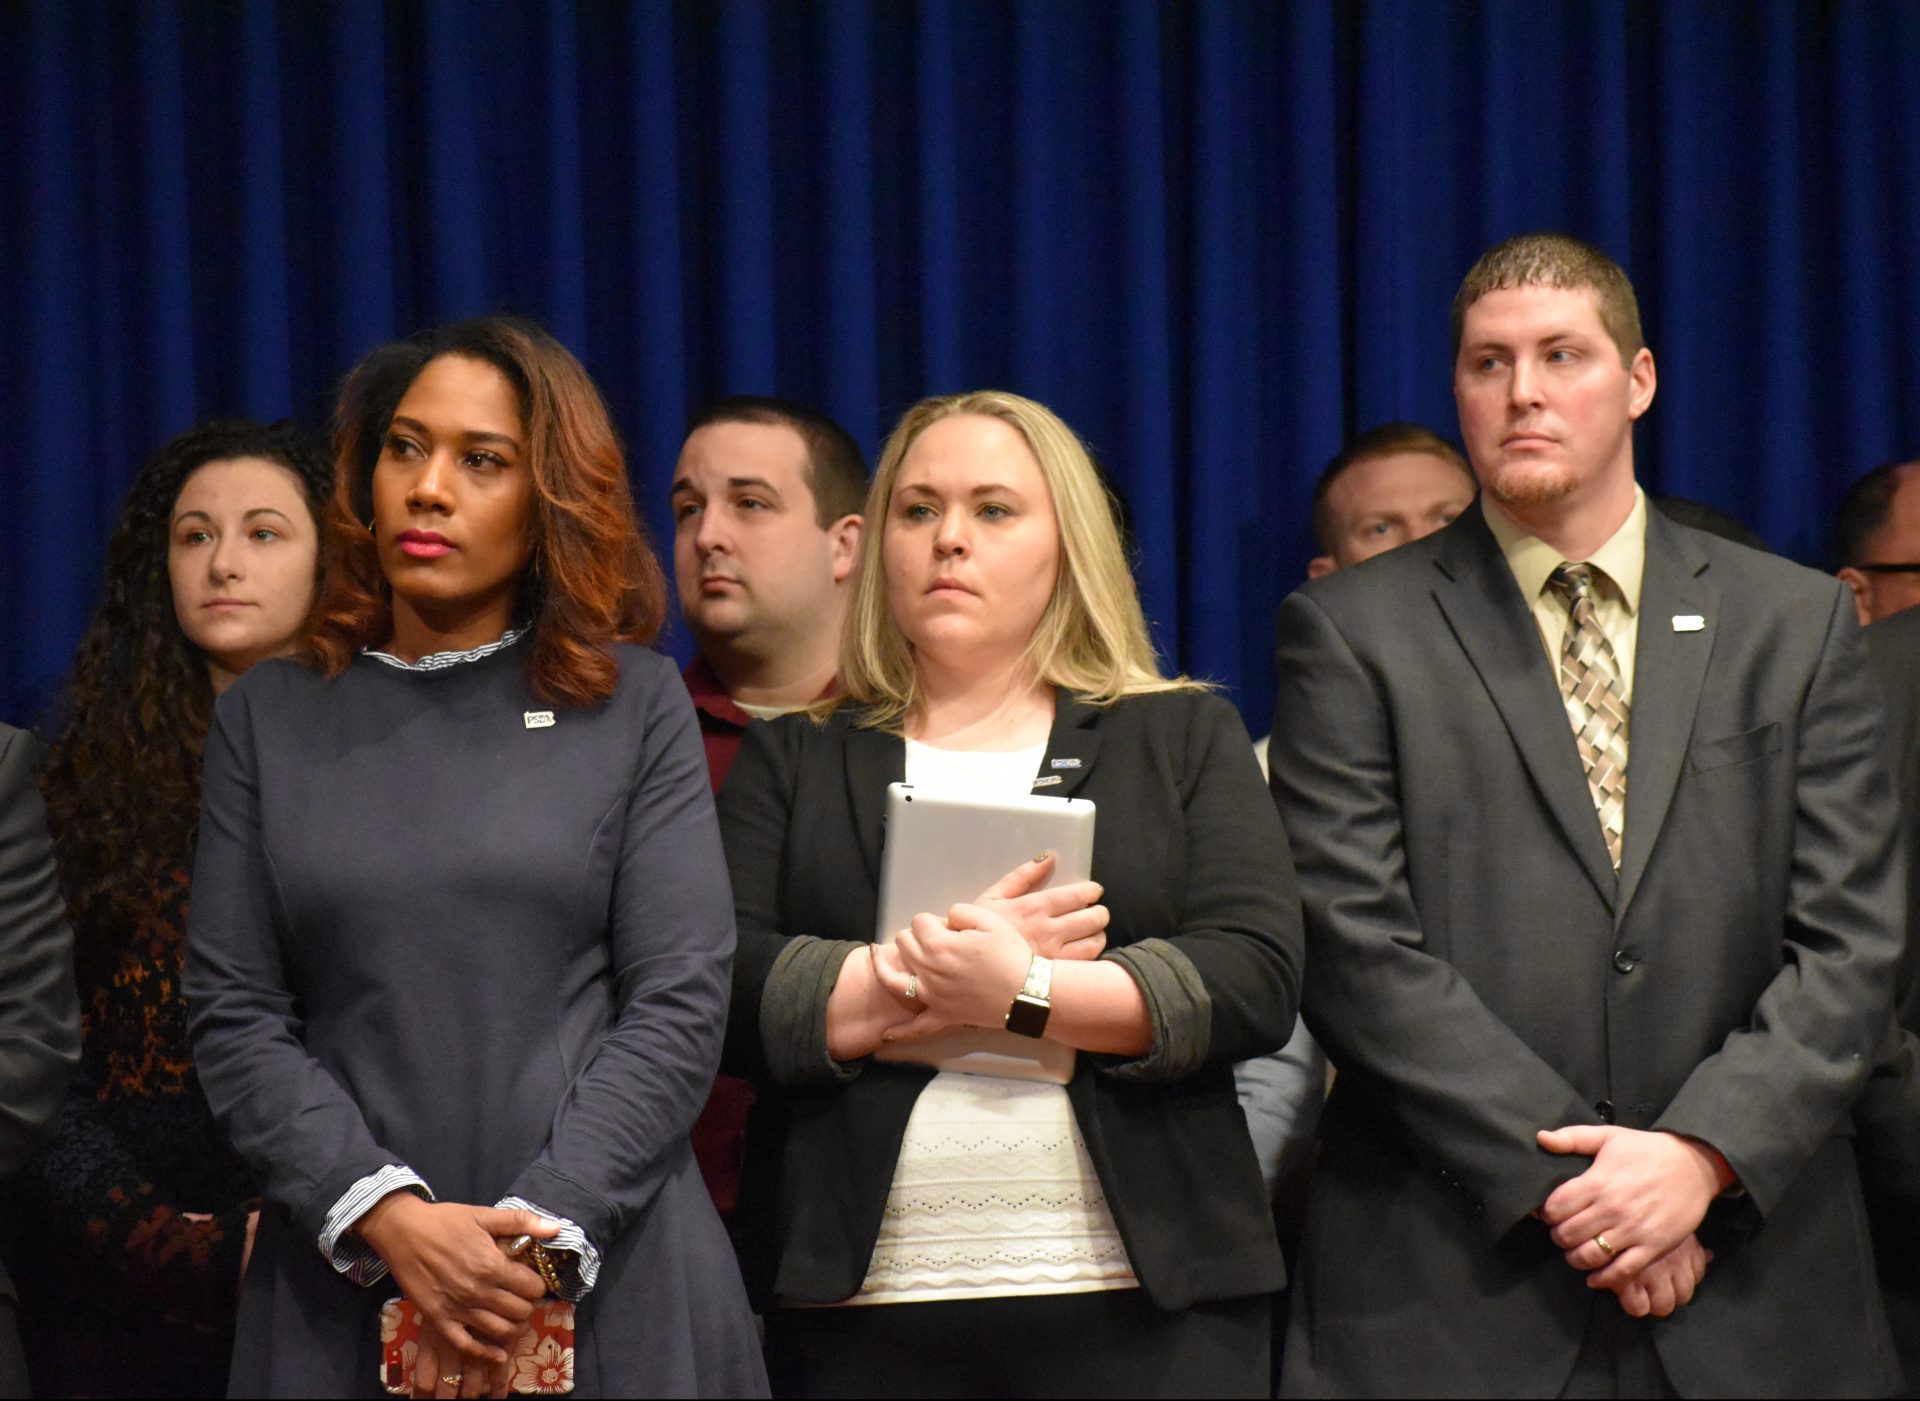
column 140, row 1215
column 461, row 934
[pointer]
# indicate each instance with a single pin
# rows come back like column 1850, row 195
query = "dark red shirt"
column 721, row 721
column 720, row 1133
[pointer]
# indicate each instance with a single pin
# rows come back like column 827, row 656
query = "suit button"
column 1624, row 962
column 1605, row 1110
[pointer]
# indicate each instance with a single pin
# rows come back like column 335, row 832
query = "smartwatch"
column 1031, row 1008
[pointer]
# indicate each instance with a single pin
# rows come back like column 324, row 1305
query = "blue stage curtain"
column 1218, row 237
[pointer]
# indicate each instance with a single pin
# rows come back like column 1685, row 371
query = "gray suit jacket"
column 39, row 1011
column 1477, row 972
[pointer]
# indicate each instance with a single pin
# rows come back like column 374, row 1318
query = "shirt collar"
column 440, row 661
column 1622, row 559
column 703, row 684
column 709, row 695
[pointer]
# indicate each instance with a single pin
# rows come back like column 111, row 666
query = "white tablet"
column 943, row 851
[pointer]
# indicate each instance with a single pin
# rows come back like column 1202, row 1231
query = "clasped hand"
column 1646, row 1194
column 450, row 1262
column 965, row 968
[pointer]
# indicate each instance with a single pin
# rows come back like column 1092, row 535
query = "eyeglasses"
column 1888, row 568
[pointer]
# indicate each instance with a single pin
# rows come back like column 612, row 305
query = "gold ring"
column 1601, row 1241
column 453, row 1380
column 913, row 987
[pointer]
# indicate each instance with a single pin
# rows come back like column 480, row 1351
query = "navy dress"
column 430, row 930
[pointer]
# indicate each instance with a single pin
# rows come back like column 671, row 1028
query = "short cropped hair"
column 1864, row 509
column 1382, row 441
column 1555, row 260
column 836, row 469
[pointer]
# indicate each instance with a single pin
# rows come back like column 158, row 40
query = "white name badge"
column 1688, row 622
column 538, row 719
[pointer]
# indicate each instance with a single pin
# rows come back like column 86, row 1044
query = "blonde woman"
column 978, row 1236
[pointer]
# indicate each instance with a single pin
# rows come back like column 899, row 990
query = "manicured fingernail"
column 1043, row 856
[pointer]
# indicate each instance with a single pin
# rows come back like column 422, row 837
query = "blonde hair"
column 1092, row 639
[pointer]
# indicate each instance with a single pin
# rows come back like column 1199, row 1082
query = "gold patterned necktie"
column 1596, row 701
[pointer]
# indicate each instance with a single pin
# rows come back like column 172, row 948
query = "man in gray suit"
column 1603, row 907
column 39, row 1012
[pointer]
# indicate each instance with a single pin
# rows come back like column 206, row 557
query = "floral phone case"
column 541, row 1363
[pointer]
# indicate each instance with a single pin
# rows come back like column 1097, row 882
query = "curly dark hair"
column 122, row 779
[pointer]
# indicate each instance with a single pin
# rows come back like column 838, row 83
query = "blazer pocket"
column 1734, row 749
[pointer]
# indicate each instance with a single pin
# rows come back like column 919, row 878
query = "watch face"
column 1028, row 1016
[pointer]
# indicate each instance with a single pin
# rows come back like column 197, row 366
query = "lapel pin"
column 1688, row 622
column 1048, row 781
column 1066, row 763
column 538, row 719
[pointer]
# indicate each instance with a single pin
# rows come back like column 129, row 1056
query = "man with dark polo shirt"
column 766, row 525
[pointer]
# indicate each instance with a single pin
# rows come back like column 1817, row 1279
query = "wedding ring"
column 913, row 987
column 453, row 1380
column 1601, row 1241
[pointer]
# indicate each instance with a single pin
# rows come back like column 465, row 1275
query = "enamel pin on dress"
column 1688, row 622
column 538, row 719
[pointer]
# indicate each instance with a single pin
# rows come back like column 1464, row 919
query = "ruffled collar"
column 440, row 661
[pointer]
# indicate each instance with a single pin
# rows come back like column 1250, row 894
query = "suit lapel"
column 874, row 759
column 1483, row 606
column 1668, row 671
column 1071, row 746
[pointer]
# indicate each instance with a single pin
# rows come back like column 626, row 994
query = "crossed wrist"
column 1718, row 1173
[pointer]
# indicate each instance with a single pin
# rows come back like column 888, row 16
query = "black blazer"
column 1478, row 972
column 1189, row 849
column 39, row 1010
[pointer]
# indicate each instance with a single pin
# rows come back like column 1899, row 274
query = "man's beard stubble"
column 1523, row 487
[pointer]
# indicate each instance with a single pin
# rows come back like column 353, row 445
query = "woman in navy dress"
column 461, row 937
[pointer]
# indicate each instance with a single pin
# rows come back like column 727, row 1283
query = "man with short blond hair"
column 1391, row 485
column 1595, row 842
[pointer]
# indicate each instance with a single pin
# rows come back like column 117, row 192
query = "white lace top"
column 994, row 1193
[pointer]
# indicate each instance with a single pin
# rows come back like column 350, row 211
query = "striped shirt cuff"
column 579, row 1262
column 346, row 1252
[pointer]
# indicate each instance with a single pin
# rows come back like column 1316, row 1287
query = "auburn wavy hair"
column 592, row 579
column 122, row 776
